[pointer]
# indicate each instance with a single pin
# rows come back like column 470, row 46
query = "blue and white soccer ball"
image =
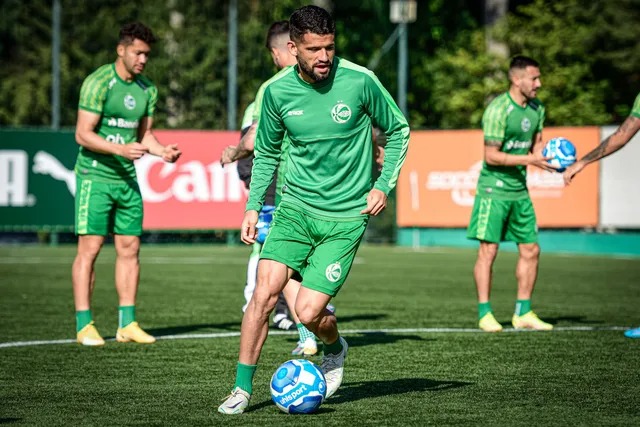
column 563, row 152
column 298, row 387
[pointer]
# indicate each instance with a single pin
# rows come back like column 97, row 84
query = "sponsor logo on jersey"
column 516, row 145
column 333, row 272
column 341, row 113
column 112, row 82
column 129, row 102
column 122, row 123
column 295, row 113
column 525, row 124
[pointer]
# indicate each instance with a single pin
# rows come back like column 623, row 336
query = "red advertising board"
column 438, row 181
column 196, row 192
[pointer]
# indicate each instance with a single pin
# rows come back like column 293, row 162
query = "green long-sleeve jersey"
column 329, row 125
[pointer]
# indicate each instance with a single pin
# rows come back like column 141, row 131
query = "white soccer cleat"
column 332, row 367
column 235, row 403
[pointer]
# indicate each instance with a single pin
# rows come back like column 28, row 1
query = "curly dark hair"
column 310, row 19
column 135, row 30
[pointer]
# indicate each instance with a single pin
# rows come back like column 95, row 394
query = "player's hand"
column 542, row 162
column 133, row 151
column 376, row 202
column 248, row 231
column 571, row 171
column 171, row 153
column 228, row 155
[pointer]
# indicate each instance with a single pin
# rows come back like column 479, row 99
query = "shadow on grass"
column 580, row 320
column 9, row 420
column 352, row 391
column 185, row 329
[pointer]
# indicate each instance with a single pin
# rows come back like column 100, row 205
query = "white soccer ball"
column 563, row 152
column 298, row 387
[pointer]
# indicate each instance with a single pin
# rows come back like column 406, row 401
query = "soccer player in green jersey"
column 114, row 128
column 610, row 145
column 502, row 211
column 326, row 105
column 277, row 44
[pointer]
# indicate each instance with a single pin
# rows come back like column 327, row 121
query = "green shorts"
column 496, row 221
column 322, row 249
column 104, row 208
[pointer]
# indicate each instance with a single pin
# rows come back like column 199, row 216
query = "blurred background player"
column 277, row 39
column 608, row 146
column 115, row 111
column 281, row 318
column 502, row 211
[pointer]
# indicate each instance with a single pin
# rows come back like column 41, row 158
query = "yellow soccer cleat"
column 134, row 333
column 488, row 323
column 89, row 336
column 530, row 321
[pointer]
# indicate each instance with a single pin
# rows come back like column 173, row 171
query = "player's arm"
column 87, row 137
column 608, row 146
column 494, row 157
column 169, row 153
column 244, row 148
column 386, row 116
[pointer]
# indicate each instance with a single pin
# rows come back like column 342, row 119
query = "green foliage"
column 589, row 52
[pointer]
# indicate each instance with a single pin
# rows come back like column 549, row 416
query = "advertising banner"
column 438, row 181
column 37, row 182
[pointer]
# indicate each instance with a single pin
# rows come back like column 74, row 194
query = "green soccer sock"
column 304, row 332
column 483, row 309
column 334, row 348
column 126, row 315
column 523, row 306
column 244, row 377
column 83, row 318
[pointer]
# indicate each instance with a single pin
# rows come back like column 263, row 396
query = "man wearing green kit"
column 502, row 211
column 326, row 106
column 115, row 117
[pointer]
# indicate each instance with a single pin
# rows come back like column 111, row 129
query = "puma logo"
column 45, row 164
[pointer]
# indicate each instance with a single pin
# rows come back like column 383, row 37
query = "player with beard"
column 326, row 106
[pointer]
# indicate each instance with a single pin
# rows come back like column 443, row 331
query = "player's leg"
column 272, row 277
column 285, row 250
column 486, row 225
column 522, row 229
column 83, row 277
column 326, row 272
column 306, row 345
column 92, row 206
column 252, row 270
column 127, row 230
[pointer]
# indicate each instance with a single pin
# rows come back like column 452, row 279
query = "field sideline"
column 416, row 357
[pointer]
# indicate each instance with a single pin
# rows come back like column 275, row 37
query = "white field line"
column 344, row 332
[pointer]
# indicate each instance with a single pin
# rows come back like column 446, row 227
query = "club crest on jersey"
column 129, row 102
column 525, row 124
column 341, row 113
column 333, row 272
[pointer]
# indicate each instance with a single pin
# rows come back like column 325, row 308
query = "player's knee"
column 530, row 252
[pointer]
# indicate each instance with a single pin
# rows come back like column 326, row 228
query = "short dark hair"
column 310, row 19
column 276, row 29
column 135, row 30
column 521, row 62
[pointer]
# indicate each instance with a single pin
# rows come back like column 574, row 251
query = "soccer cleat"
column 632, row 333
column 306, row 348
column 235, row 403
column 488, row 323
column 89, row 336
column 134, row 333
column 332, row 367
column 530, row 321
